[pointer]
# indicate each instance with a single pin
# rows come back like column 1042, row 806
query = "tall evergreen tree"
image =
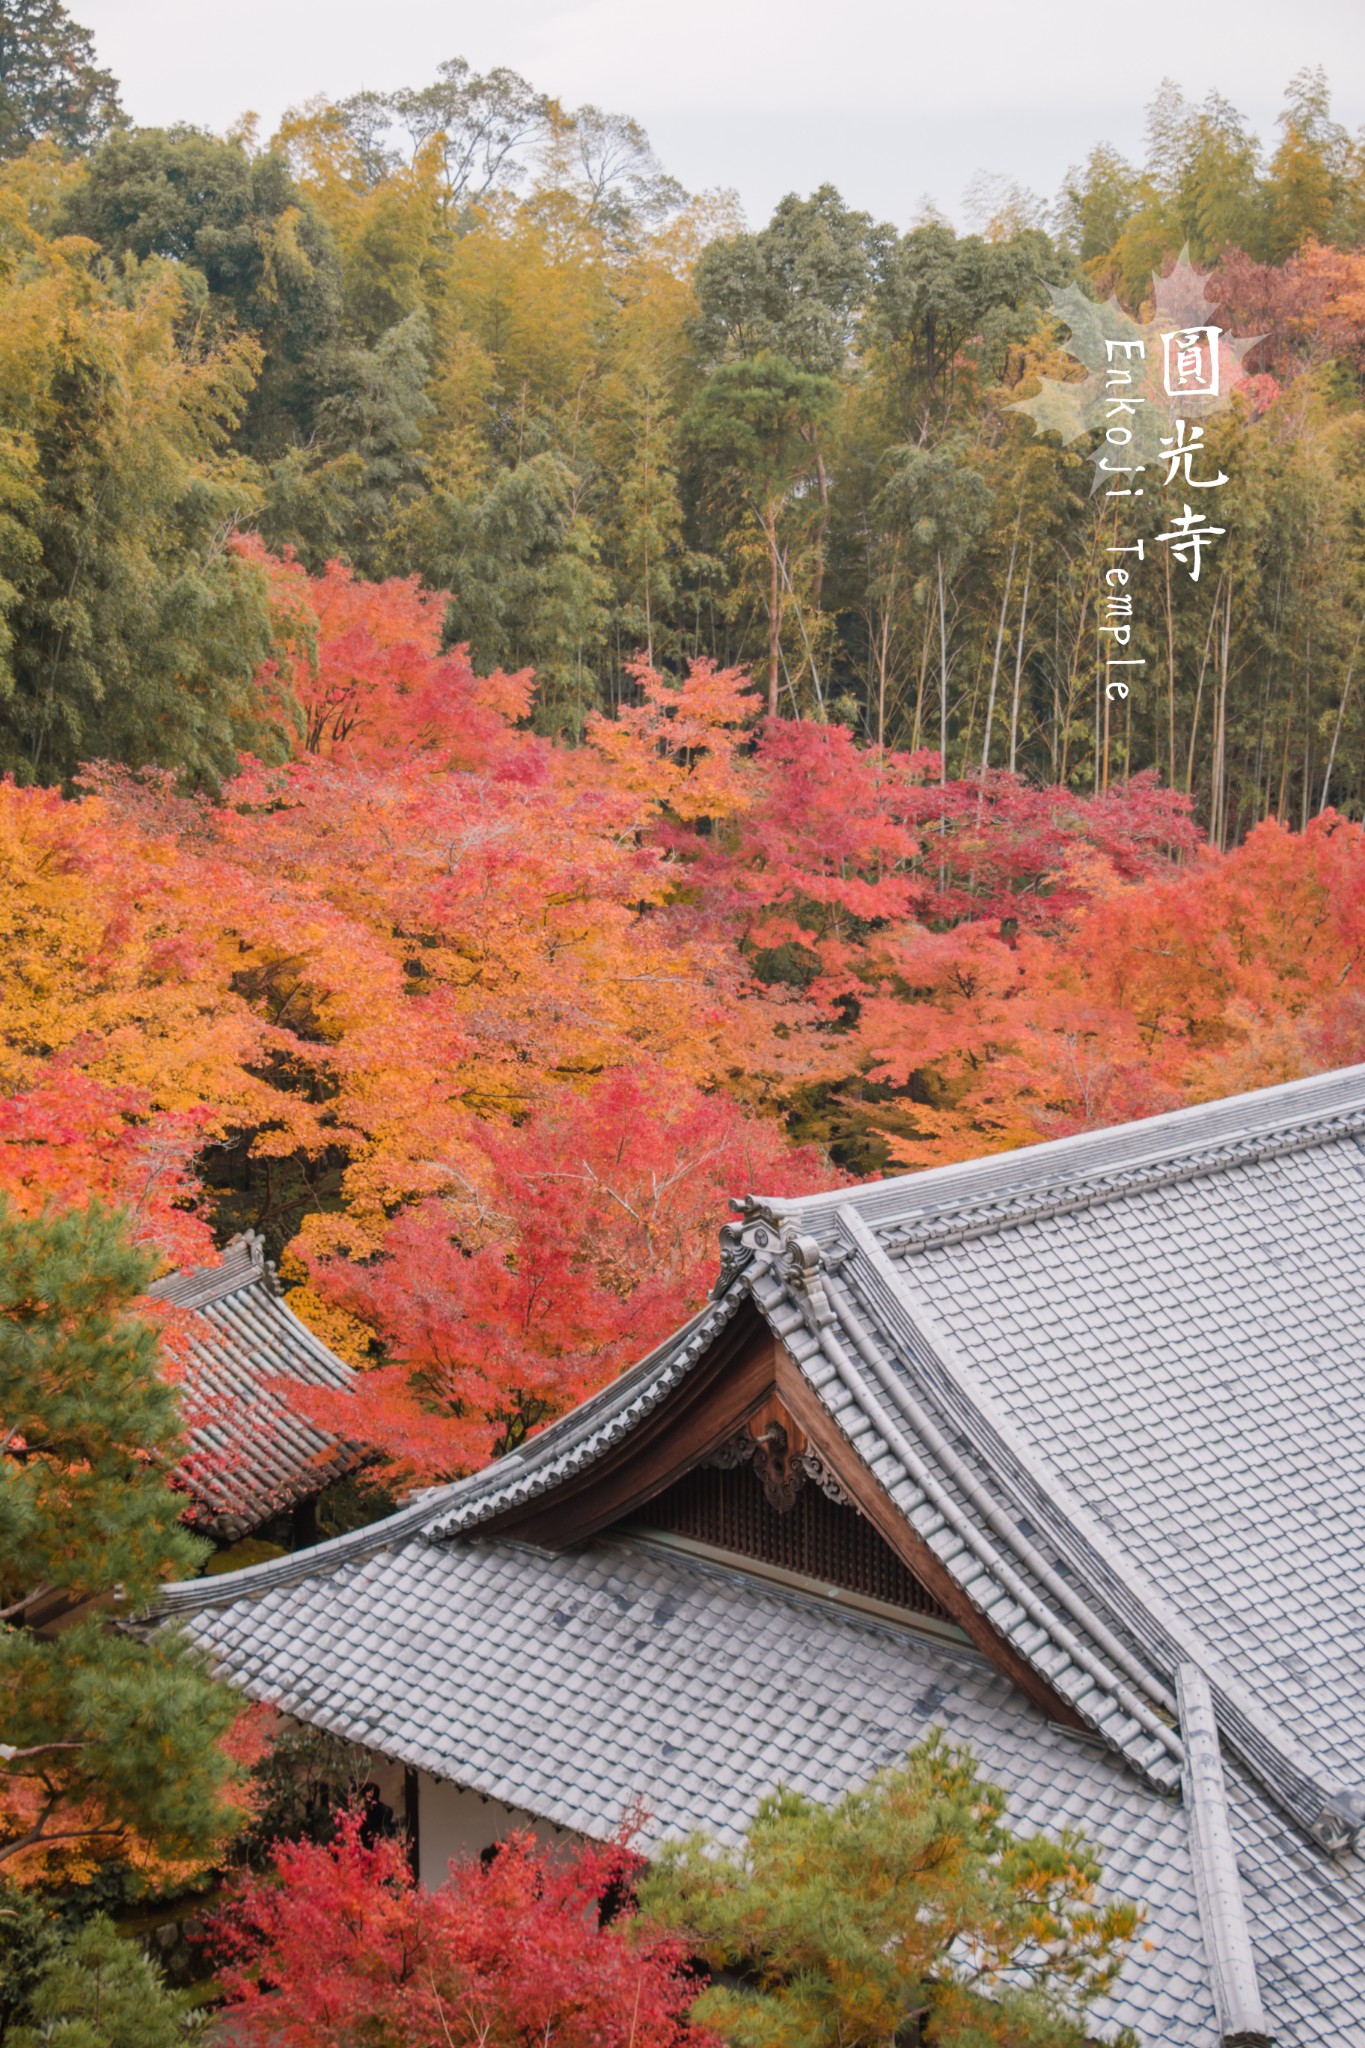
column 239, row 220
column 50, row 84
column 109, row 1743
column 754, row 430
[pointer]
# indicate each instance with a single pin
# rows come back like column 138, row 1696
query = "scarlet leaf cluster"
column 589, row 1236
column 338, row 1947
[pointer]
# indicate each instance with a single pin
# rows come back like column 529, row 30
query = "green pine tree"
column 97, row 1990
column 906, row 1912
column 108, row 1744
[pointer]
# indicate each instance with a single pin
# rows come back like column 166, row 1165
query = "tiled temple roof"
column 1115, row 1385
column 252, row 1453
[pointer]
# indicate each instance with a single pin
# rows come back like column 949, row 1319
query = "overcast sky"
column 890, row 100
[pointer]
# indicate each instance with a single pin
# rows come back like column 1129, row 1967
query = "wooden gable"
column 805, row 1527
column 727, row 1459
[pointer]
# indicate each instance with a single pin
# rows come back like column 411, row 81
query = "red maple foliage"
column 1233, row 972
column 1307, row 310
column 337, row 1947
column 364, row 664
column 70, row 1137
column 590, row 1235
column 839, row 836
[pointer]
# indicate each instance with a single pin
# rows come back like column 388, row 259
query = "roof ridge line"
column 1117, row 1686
column 1166, row 1136
column 1010, row 1533
column 191, row 1596
column 1006, row 1576
column 1060, row 1198
column 1231, row 1958
column 242, row 1263
column 581, row 1435
column 1331, row 1812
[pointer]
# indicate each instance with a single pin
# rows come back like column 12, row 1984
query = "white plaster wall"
column 453, row 1822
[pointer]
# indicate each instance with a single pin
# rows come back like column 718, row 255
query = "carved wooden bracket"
column 781, row 1457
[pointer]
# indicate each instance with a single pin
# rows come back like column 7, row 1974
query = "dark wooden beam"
column 412, row 1821
column 810, row 1413
column 717, row 1398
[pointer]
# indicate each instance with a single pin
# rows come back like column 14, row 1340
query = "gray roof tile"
column 819, row 1698
column 251, row 1452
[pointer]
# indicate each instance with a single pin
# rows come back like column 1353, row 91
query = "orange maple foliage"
column 494, row 1026
column 1235, row 972
column 364, row 664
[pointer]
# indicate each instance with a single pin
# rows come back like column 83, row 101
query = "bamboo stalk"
column 1341, row 714
column 999, row 644
column 1019, row 664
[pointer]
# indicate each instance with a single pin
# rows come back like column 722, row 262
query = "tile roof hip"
column 1054, row 1174
column 1218, row 1885
column 1106, row 1578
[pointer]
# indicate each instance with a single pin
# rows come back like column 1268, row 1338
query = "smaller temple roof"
column 252, row 1454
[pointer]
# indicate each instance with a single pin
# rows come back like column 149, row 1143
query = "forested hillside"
column 479, row 632
column 465, row 334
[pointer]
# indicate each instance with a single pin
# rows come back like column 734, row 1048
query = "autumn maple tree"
column 1236, row 971
column 338, row 1946
column 579, row 1239
column 484, row 1031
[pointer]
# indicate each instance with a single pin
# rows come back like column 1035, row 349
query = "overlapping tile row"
column 1128, row 1706
column 1193, row 1360
column 252, row 1453
column 1090, row 1579
column 1212, row 1411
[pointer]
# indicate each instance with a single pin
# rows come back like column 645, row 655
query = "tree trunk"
column 1341, row 714
column 1199, row 692
column 923, row 675
column 774, row 614
column 822, row 538
column 1307, row 732
column 999, row 644
column 942, row 675
column 1170, row 668
column 805, row 642
column 1218, row 795
column 1019, row 664
column 883, row 644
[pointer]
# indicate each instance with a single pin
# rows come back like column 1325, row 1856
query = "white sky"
column 890, row 100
